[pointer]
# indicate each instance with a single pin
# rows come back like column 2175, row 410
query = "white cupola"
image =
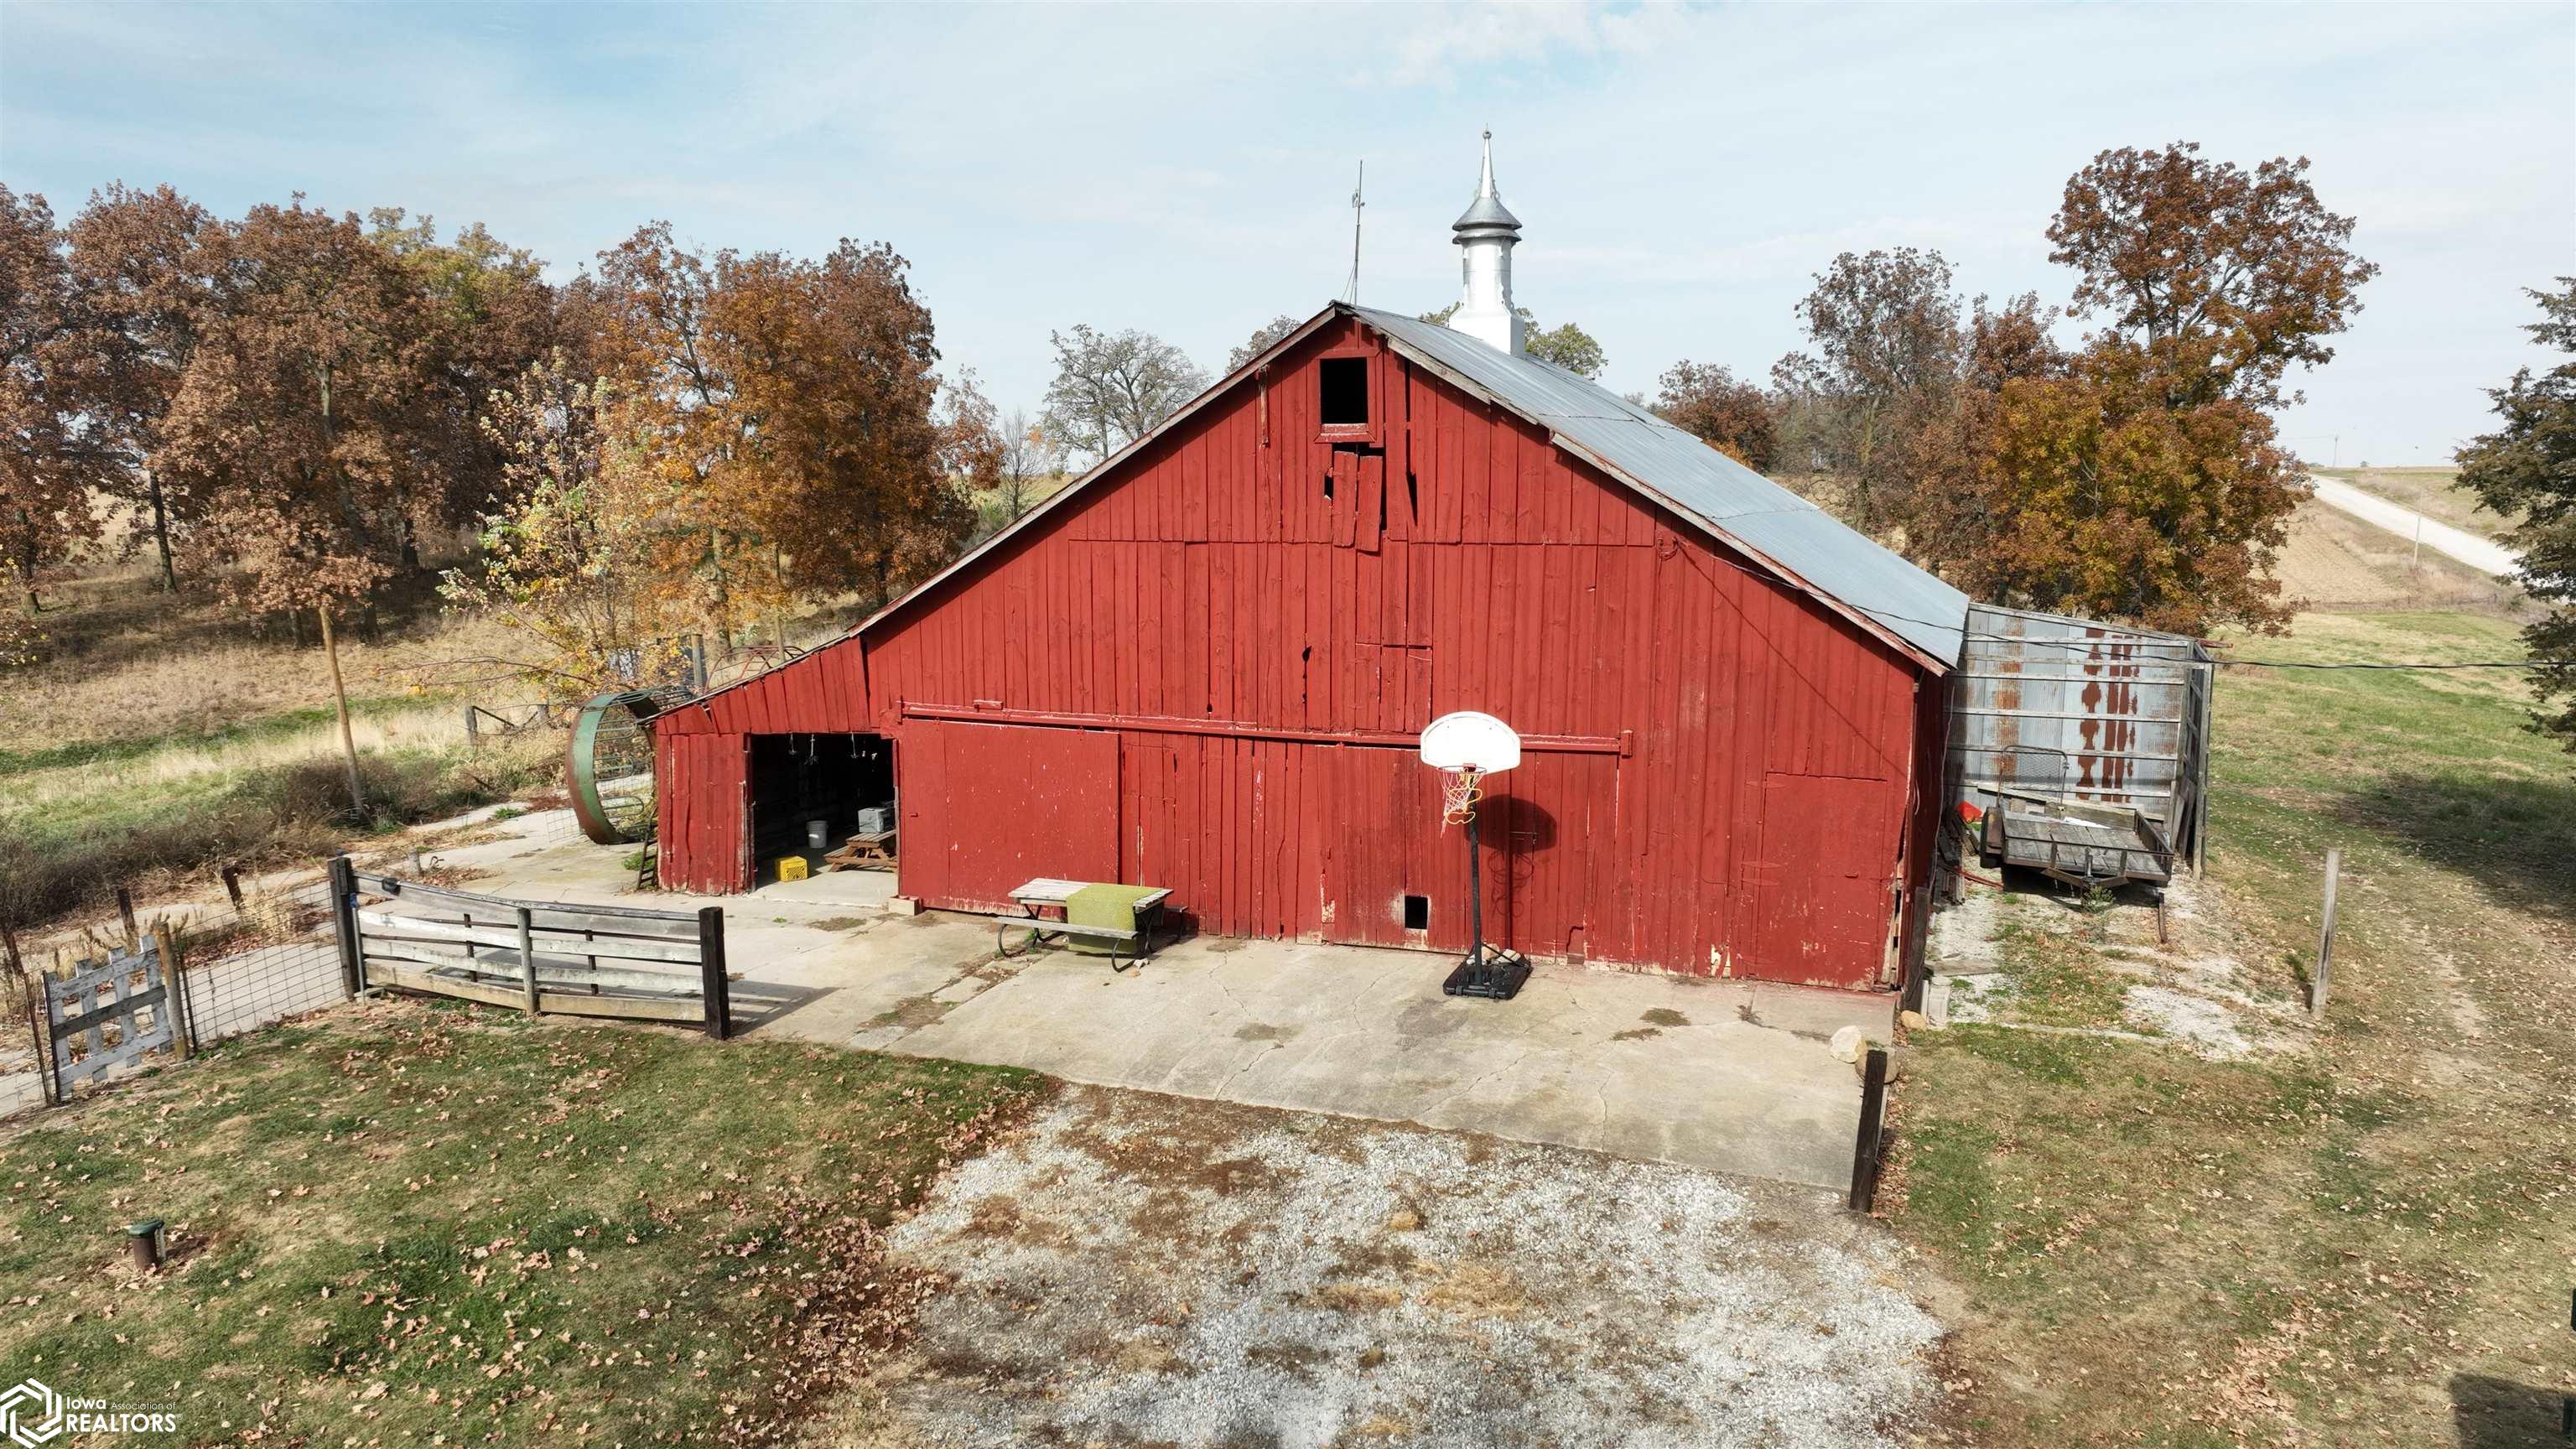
column 1486, row 236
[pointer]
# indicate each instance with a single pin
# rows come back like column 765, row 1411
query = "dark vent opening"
column 1345, row 391
column 1417, row 913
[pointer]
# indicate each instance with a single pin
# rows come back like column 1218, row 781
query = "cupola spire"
column 1486, row 234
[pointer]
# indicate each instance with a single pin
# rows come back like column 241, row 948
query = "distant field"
column 2428, row 491
column 2334, row 560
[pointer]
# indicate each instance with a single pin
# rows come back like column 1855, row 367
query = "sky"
column 1680, row 173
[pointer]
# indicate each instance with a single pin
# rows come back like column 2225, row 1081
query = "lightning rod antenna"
column 1357, row 207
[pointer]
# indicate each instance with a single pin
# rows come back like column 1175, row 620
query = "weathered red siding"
column 1722, row 772
column 704, row 802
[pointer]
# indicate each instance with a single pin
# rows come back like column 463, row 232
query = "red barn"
column 1204, row 666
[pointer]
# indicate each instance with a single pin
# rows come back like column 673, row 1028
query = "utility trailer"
column 2079, row 844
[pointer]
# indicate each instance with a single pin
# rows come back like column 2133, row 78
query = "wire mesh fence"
column 263, row 956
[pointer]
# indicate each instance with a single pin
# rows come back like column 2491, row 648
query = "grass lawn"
column 2368, row 1237
column 415, row 1224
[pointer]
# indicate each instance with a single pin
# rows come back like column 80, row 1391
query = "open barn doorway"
column 810, row 786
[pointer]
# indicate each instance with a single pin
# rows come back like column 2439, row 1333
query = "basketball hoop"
column 1467, row 747
column 1459, row 796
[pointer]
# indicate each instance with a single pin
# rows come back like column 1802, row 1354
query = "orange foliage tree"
column 777, row 421
column 48, row 464
column 2141, row 477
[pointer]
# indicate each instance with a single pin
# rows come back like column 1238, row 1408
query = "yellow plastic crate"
column 791, row 867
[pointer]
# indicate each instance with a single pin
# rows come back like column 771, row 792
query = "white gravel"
column 1136, row 1269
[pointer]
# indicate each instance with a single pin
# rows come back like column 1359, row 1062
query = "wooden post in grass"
column 125, row 913
column 174, row 999
column 344, row 923
column 527, row 957
column 2324, row 969
column 1873, row 1124
column 711, row 967
column 33, row 983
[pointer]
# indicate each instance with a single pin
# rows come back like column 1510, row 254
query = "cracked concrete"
column 1735, row 1076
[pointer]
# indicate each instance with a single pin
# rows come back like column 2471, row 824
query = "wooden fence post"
column 125, row 913
column 2324, row 969
column 183, row 1032
column 37, row 1035
column 711, row 964
column 232, row 886
column 344, row 919
column 527, row 957
column 1873, row 1120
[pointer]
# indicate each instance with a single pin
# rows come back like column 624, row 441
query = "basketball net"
column 1459, row 796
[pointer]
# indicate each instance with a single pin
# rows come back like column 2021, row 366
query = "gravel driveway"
column 1137, row 1269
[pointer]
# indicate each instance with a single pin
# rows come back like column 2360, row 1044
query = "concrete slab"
column 1724, row 1075
column 1733, row 1076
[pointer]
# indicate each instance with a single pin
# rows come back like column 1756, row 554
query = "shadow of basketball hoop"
column 1519, row 831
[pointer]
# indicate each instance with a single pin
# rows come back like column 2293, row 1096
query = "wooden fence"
column 613, row 961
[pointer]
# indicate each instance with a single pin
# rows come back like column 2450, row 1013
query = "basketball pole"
column 1494, row 975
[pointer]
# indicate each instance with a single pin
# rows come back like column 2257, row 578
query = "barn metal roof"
column 1745, row 509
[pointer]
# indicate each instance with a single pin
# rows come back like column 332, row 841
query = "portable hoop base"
column 1494, row 973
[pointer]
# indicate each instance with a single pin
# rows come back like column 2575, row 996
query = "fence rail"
column 583, row 960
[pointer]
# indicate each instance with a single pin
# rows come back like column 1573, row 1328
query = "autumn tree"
column 1263, row 338
column 50, row 464
column 1112, row 388
column 836, row 455
column 2088, row 492
column 970, row 434
column 572, row 561
column 2142, row 477
column 791, row 407
column 486, row 315
column 1738, row 419
column 298, row 408
column 1884, row 332
column 2224, row 278
column 2527, row 467
column 1030, row 456
column 147, row 275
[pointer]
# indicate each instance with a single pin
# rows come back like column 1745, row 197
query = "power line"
column 2090, row 645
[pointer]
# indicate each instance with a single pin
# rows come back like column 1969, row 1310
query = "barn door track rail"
column 537, row 956
column 1622, row 743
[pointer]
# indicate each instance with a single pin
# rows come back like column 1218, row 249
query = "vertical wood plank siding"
column 1234, row 618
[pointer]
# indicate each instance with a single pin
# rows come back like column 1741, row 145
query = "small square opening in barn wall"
column 1344, row 383
column 1417, row 913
